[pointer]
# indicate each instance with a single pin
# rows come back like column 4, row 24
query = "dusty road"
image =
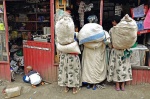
column 53, row 91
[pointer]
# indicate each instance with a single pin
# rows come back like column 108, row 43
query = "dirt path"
column 53, row 91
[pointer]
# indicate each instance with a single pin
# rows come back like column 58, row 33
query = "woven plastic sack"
column 91, row 32
column 65, row 30
column 70, row 48
column 124, row 34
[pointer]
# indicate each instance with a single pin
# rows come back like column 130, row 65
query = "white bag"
column 91, row 32
column 70, row 48
column 124, row 34
column 65, row 30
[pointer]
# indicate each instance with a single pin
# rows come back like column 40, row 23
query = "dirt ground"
column 53, row 91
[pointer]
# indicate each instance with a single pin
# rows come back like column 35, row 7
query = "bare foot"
column 42, row 83
column 33, row 86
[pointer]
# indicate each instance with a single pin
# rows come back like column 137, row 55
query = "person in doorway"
column 119, row 68
column 32, row 77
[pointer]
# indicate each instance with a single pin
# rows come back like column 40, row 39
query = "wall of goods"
column 3, row 52
column 29, row 19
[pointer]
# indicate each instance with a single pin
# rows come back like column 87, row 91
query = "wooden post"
column 101, row 11
column 52, row 28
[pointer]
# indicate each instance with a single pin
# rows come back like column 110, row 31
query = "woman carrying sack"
column 119, row 68
column 69, row 71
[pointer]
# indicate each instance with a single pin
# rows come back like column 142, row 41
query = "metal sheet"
column 140, row 76
column 5, row 71
column 4, row 66
column 39, row 56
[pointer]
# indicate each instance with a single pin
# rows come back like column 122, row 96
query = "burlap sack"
column 124, row 34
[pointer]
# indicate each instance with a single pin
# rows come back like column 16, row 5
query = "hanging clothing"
column 69, row 73
column 119, row 69
column 94, row 65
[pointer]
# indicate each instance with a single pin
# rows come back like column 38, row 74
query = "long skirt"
column 69, row 73
column 119, row 70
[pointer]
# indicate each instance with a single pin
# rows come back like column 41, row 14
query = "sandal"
column 117, row 89
column 100, row 86
column 66, row 89
column 88, row 86
column 122, row 89
column 94, row 87
column 75, row 91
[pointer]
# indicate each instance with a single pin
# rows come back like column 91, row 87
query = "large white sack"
column 124, row 34
column 69, row 48
column 65, row 30
column 91, row 32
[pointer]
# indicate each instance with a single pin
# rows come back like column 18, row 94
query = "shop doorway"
column 27, row 21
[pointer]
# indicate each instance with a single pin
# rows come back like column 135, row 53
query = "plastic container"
column 12, row 92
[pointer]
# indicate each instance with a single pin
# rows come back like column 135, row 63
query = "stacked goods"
column 91, row 35
column 65, row 31
column 124, row 34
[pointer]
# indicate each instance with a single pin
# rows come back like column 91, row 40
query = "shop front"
column 40, row 53
column 33, row 22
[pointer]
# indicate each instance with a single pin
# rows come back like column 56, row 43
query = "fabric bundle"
column 91, row 32
column 91, row 35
